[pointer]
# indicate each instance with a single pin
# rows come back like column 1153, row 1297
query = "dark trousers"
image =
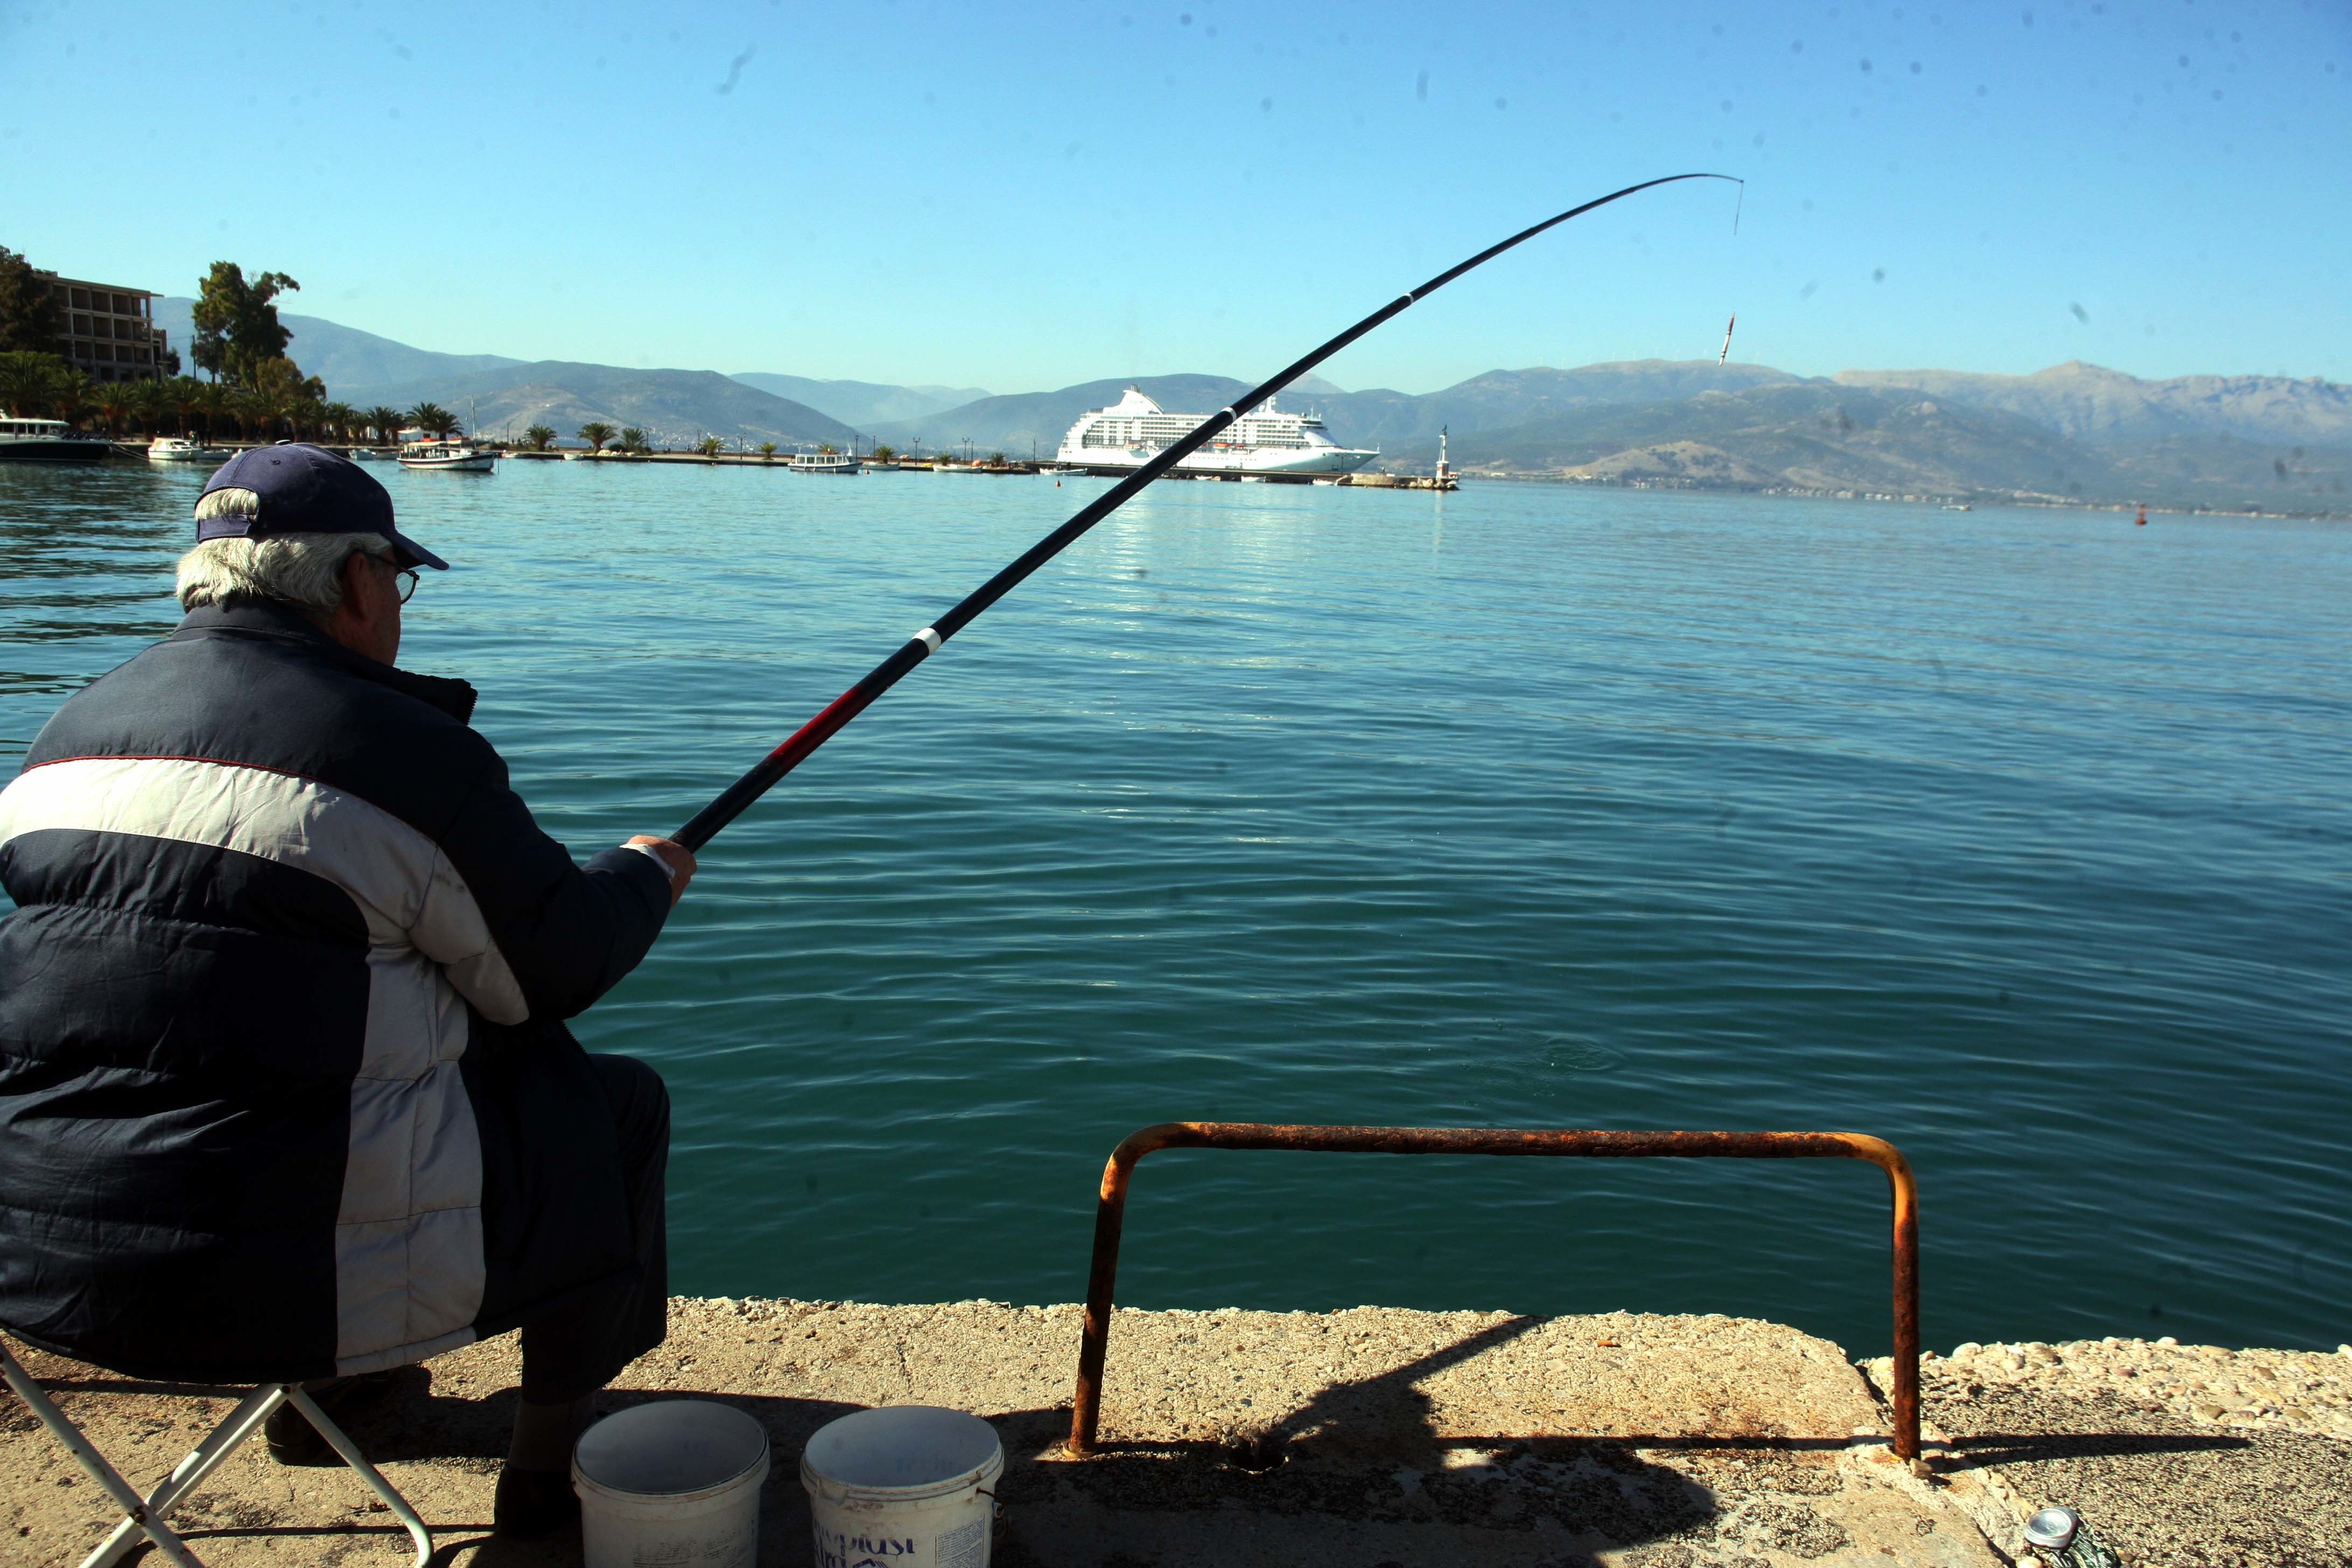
column 581, row 1345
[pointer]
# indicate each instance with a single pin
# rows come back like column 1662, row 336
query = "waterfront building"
column 107, row 332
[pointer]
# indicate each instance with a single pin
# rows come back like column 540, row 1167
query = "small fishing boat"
column 455, row 457
column 48, row 441
column 180, row 449
column 370, row 455
column 825, row 463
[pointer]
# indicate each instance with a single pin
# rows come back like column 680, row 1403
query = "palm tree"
column 767, row 451
column 384, row 422
column 185, row 395
column 886, row 454
column 150, row 404
column 257, row 411
column 112, row 400
column 633, row 440
column 826, row 450
column 540, row 436
column 339, row 419
column 432, row 418
column 596, row 433
column 709, row 446
column 24, row 381
column 69, row 395
column 213, row 399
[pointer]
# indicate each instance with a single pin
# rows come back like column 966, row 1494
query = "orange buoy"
column 2141, row 520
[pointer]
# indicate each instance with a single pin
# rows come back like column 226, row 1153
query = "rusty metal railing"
column 1086, row 1415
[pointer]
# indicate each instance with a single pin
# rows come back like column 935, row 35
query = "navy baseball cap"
column 301, row 489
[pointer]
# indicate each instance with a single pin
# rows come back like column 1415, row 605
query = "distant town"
column 226, row 367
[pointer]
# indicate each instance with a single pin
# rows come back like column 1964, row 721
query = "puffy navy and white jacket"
column 284, row 1087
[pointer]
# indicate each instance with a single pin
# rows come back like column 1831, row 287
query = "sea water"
column 2019, row 837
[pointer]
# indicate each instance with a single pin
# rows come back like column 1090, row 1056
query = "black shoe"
column 533, row 1504
column 292, row 1439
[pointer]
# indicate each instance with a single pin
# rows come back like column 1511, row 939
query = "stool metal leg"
column 342, row 1445
column 136, row 1514
column 146, row 1515
column 202, row 1461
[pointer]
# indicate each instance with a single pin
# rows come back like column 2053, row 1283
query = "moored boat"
column 180, row 449
column 48, row 441
column 825, row 463
column 457, row 457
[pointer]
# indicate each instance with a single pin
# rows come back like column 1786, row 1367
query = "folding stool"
column 147, row 1514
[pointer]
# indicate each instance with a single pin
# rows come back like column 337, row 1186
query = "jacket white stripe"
column 409, row 1267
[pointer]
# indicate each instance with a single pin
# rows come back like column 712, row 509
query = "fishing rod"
column 738, row 796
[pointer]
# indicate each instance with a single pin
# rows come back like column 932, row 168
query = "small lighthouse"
column 1445, row 470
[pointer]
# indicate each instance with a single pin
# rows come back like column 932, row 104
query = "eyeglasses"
column 408, row 581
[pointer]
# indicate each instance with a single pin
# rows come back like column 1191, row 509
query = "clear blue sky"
column 1022, row 196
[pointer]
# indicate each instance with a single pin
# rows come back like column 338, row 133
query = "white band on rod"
column 929, row 638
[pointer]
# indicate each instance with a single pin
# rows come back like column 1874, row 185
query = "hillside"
column 674, row 407
column 343, row 357
column 2091, row 403
column 1811, row 435
column 861, row 403
column 1009, row 425
column 1505, row 398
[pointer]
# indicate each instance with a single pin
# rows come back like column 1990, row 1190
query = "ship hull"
column 1273, row 463
column 38, row 451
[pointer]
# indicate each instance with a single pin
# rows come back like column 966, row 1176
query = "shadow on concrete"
column 1365, row 1459
column 1987, row 1448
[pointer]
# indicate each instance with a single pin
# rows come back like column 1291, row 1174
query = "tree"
column 182, row 394
column 385, row 423
column 213, row 399
column 596, row 433
column 150, row 402
column 540, row 437
column 709, row 446
column 238, row 328
column 886, row 454
column 633, row 440
column 767, row 451
column 339, row 419
column 112, row 400
column 69, row 393
column 28, row 312
column 25, row 379
column 827, row 449
column 432, row 418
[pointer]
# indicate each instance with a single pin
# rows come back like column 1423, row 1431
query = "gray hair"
column 304, row 570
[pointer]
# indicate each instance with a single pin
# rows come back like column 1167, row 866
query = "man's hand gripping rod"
column 739, row 796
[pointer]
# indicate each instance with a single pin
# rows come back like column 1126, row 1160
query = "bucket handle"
column 995, row 1508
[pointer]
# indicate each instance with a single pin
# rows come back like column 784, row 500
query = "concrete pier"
column 1354, row 1439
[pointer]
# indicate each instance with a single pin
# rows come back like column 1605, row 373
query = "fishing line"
column 732, row 802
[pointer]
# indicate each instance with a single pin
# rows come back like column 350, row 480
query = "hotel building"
column 107, row 332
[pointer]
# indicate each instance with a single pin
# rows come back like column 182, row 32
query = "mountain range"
column 362, row 369
column 2073, row 431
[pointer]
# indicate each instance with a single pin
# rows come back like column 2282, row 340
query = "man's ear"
column 355, row 576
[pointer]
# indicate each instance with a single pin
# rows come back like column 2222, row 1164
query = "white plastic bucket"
column 908, row 1485
column 675, row 1482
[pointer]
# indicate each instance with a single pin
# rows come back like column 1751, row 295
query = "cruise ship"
column 1266, row 444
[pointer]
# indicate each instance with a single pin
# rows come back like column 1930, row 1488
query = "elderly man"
column 284, row 1090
